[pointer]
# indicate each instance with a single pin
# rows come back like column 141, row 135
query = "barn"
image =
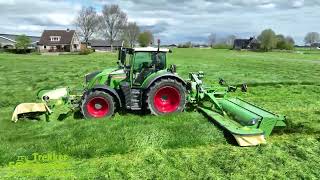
column 104, row 45
column 251, row 44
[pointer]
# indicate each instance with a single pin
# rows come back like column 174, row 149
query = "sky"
column 174, row 21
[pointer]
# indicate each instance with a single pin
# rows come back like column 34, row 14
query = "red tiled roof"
column 66, row 37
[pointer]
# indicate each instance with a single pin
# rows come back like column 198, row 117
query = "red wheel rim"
column 167, row 99
column 98, row 107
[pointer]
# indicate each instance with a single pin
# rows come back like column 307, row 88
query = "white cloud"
column 7, row 2
column 32, row 17
column 267, row 6
column 195, row 19
column 173, row 21
column 298, row 3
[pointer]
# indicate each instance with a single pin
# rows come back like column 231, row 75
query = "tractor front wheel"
column 97, row 104
column 166, row 96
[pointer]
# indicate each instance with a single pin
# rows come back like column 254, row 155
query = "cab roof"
column 151, row 49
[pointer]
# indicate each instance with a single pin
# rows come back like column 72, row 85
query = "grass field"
column 186, row 145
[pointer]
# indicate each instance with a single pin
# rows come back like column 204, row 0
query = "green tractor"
column 144, row 82
column 141, row 81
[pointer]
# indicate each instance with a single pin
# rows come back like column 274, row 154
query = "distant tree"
column 113, row 22
column 281, row 42
column 145, row 38
column 268, row 40
column 87, row 22
column 290, row 43
column 188, row 45
column 285, row 43
column 311, row 38
column 230, row 40
column 22, row 42
column 212, row 39
column 131, row 33
column 290, row 40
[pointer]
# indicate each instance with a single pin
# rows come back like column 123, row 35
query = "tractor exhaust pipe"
column 158, row 45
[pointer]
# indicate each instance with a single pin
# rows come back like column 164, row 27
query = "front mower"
column 144, row 82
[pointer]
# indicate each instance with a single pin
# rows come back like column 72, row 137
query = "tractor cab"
column 139, row 63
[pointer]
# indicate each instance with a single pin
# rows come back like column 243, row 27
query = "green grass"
column 186, row 145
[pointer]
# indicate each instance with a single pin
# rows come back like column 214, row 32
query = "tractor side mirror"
column 123, row 57
column 173, row 68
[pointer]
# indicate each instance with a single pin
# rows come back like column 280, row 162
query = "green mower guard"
column 248, row 123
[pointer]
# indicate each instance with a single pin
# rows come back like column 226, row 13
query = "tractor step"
column 136, row 95
column 132, row 96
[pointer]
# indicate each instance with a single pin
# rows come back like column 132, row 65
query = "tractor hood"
column 89, row 77
column 99, row 77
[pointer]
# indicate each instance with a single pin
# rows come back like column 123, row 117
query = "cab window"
column 149, row 59
column 161, row 58
column 140, row 58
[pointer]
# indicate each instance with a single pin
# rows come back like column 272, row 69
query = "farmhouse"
column 8, row 41
column 104, row 45
column 251, row 44
column 59, row 41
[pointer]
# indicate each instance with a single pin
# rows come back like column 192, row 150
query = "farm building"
column 104, row 45
column 59, row 41
column 317, row 45
column 8, row 41
column 251, row 44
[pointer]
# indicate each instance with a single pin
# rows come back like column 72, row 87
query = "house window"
column 55, row 38
column 45, row 47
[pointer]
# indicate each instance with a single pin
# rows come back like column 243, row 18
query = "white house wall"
column 75, row 41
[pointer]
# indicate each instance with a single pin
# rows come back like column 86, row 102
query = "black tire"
column 97, row 104
column 164, row 88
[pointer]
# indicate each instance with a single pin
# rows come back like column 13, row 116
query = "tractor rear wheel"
column 97, row 104
column 166, row 96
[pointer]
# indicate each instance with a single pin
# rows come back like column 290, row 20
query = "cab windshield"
column 148, row 60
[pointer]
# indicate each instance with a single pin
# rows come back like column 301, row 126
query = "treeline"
column 112, row 25
column 270, row 40
column 267, row 41
column 213, row 42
